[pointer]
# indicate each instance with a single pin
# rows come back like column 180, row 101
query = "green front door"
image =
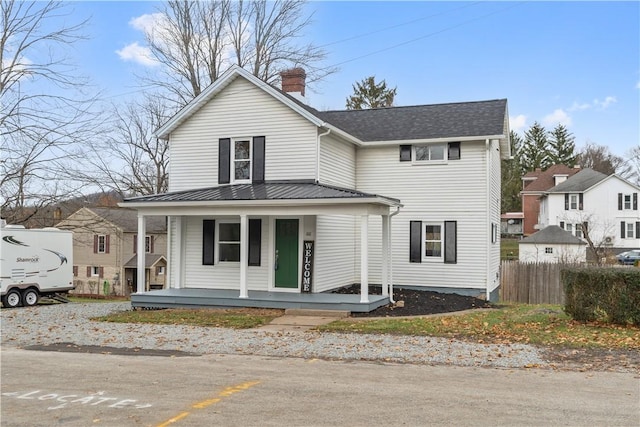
column 286, row 253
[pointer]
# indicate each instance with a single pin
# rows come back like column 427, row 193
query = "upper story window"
column 102, row 244
column 148, row 244
column 573, row 201
column 241, row 160
column 430, row 153
column 626, row 202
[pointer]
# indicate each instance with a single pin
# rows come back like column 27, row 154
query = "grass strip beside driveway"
column 519, row 323
column 242, row 318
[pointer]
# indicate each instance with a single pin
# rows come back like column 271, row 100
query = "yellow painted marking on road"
column 203, row 404
column 174, row 419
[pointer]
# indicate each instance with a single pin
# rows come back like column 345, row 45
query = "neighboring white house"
column 606, row 205
column 552, row 244
column 267, row 193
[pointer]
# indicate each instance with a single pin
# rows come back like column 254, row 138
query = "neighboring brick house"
column 534, row 185
column 105, row 250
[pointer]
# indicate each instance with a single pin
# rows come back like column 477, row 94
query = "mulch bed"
column 417, row 303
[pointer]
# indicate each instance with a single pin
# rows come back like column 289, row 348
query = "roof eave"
column 431, row 140
column 265, row 203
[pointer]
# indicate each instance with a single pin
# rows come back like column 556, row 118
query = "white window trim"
column 104, row 244
column 630, row 231
column 161, row 270
column 425, row 258
column 95, row 271
column 414, row 157
column 217, row 244
column 232, row 166
column 147, row 244
column 624, row 202
column 577, row 200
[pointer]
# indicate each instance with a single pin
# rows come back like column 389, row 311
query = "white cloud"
column 606, row 103
column 147, row 23
column 638, row 85
column 518, row 123
column 579, row 107
column 136, row 53
column 559, row 116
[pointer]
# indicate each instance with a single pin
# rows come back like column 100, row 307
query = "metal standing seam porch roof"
column 270, row 190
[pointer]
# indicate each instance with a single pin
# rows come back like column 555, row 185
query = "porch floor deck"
column 224, row 298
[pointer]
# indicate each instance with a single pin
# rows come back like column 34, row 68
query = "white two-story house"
column 271, row 198
column 606, row 205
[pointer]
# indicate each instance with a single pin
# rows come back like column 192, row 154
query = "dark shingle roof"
column 127, row 219
column 149, row 260
column 481, row 118
column 278, row 190
column 581, row 181
column 553, row 235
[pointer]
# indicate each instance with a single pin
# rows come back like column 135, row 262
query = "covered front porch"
column 227, row 298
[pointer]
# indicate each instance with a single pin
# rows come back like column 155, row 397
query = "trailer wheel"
column 12, row 299
column 30, row 297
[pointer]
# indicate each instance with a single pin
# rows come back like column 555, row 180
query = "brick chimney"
column 293, row 82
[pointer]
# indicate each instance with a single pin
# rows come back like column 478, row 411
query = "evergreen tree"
column 562, row 147
column 535, row 149
column 512, row 177
column 367, row 94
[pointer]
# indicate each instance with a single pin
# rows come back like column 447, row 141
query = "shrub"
column 610, row 295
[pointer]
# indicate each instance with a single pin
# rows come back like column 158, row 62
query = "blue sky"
column 576, row 63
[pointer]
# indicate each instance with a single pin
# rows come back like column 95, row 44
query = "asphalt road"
column 78, row 389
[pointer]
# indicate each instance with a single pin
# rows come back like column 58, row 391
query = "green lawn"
column 508, row 249
column 516, row 323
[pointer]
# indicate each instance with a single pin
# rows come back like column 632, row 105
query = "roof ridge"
column 395, row 107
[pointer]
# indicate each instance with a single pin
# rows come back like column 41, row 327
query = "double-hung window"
column 102, row 244
column 432, row 241
column 229, row 241
column 630, row 229
column 241, row 160
column 573, row 201
column 626, row 201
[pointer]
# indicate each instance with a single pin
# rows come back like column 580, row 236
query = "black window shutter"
column 135, row 243
column 255, row 235
column 580, row 201
column 619, row 201
column 454, row 151
column 622, row 230
column 224, row 160
column 635, row 201
column 405, row 153
column 258, row 160
column 208, row 241
column 637, row 230
column 415, row 241
column 562, row 225
column 451, row 242
column 566, row 201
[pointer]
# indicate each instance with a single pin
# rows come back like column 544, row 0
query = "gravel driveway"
column 69, row 323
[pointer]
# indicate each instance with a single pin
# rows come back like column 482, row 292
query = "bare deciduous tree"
column 46, row 106
column 195, row 42
column 131, row 160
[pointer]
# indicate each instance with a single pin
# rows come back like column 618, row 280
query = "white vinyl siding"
column 220, row 275
column 290, row 139
column 337, row 162
column 455, row 191
column 334, row 261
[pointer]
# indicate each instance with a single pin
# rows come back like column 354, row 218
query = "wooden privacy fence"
column 531, row 283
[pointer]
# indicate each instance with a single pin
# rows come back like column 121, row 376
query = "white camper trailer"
column 34, row 263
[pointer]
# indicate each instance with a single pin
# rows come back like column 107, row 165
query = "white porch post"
column 177, row 265
column 142, row 230
column 364, row 258
column 385, row 255
column 244, row 255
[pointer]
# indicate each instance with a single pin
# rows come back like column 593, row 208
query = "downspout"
column 391, row 300
column 320, row 135
column 488, row 210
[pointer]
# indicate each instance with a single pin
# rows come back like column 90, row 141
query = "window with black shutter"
column 255, row 239
column 405, row 153
column 450, row 242
column 454, row 151
column 415, row 241
column 224, row 160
